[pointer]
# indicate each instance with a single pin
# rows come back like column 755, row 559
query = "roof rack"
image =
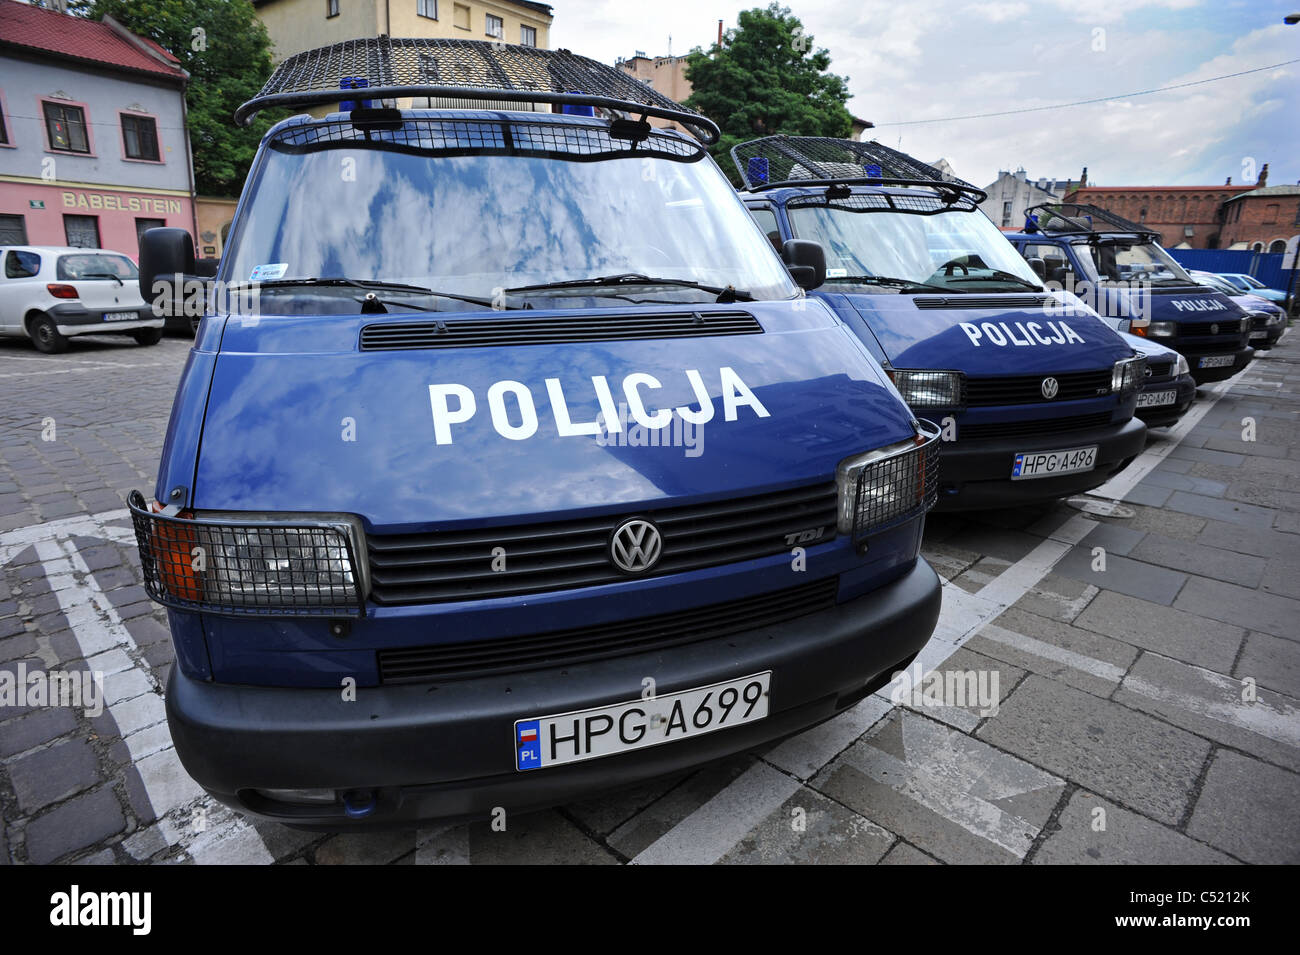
column 387, row 67
column 1080, row 218
column 819, row 160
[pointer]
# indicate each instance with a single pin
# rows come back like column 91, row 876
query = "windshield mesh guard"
column 388, row 67
column 433, row 134
column 1083, row 219
column 820, row 160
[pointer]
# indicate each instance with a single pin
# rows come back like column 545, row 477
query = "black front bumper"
column 977, row 475
column 446, row 751
column 1203, row 376
column 1164, row 415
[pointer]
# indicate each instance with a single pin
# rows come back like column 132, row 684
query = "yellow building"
column 297, row 25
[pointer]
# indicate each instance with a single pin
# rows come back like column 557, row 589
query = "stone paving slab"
column 1249, row 808
column 1095, row 831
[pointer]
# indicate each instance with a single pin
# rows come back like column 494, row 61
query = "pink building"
column 93, row 141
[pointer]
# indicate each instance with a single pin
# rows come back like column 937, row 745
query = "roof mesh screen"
column 795, row 160
column 886, row 202
column 486, row 136
column 1082, row 218
column 387, row 67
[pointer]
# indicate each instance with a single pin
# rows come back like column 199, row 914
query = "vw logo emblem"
column 1214, row 329
column 635, row 546
column 1050, row 388
column 1148, row 371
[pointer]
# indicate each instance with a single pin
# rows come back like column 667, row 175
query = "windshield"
column 85, row 265
column 960, row 251
column 475, row 225
column 1145, row 262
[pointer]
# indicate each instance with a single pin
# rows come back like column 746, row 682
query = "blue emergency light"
column 757, row 170
column 354, row 83
column 874, row 172
column 577, row 109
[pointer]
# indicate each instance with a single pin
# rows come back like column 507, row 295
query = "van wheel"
column 147, row 336
column 45, row 335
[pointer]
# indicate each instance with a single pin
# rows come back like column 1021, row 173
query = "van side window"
column 1055, row 264
column 766, row 220
column 21, row 265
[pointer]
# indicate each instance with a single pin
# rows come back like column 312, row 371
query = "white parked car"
column 51, row 293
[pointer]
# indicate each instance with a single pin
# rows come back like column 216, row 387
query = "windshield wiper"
column 728, row 294
column 103, row 275
column 891, row 281
column 370, row 286
column 1000, row 276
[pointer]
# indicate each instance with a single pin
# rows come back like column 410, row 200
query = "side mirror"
column 167, row 267
column 1038, row 265
column 806, row 261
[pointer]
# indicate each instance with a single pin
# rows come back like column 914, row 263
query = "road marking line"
column 98, row 629
column 1048, row 651
column 709, row 833
column 1280, row 723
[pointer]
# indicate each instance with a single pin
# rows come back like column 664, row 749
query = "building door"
column 82, row 231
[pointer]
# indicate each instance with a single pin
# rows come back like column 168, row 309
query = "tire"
column 147, row 336
column 45, row 335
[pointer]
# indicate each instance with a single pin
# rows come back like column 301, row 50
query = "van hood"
column 983, row 335
column 300, row 418
column 1193, row 303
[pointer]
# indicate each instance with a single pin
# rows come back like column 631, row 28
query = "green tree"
column 226, row 51
column 765, row 78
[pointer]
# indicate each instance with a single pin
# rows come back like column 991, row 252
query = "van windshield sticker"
column 837, row 273
column 1031, row 333
column 454, row 404
column 267, row 273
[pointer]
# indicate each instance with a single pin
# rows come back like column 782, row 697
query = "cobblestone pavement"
column 1145, row 660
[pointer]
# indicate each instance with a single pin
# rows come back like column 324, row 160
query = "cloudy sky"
column 926, row 60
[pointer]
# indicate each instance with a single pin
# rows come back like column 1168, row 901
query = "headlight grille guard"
column 186, row 566
column 916, row 468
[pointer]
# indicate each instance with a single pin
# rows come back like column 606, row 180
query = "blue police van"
column 1168, row 389
column 1120, row 268
column 510, row 462
column 1034, row 393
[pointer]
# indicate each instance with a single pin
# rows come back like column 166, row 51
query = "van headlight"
column 930, row 389
column 1158, row 330
column 1126, row 377
column 263, row 564
column 1181, row 367
column 888, row 486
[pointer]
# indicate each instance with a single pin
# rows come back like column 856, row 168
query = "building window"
column 140, row 137
column 1278, row 245
column 1257, row 247
column 331, row 8
column 460, row 16
column 427, row 8
column 144, row 225
column 1270, row 213
column 496, row 26
column 66, row 127
column 13, row 230
column 82, row 231
column 528, row 36
column 4, row 129
column 1006, row 212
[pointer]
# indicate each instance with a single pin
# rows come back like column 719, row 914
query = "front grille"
column 1035, row 428
column 460, row 661
column 1228, row 328
column 472, row 333
column 960, row 300
column 1028, row 389
column 459, row 564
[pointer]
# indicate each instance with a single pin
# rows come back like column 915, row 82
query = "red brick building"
column 1262, row 219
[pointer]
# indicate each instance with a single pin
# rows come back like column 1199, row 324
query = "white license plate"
column 622, row 727
column 121, row 316
column 1263, row 333
column 1154, row 399
column 1215, row 361
column 1041, row 464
